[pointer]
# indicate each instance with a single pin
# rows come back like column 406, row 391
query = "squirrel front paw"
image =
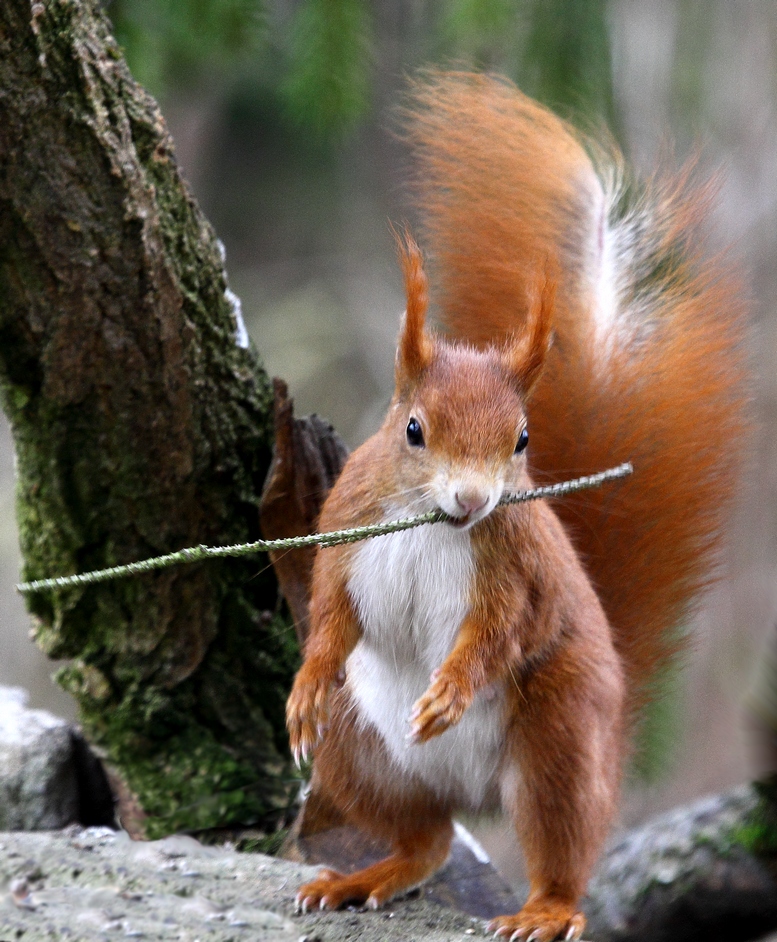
column 307, row 709
column 441, row 707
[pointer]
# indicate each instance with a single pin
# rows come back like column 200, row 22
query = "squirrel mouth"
column 459, row 522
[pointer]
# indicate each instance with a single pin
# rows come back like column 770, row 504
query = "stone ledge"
column 87, row 884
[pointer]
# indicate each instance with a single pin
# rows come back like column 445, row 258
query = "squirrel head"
column 458, row 416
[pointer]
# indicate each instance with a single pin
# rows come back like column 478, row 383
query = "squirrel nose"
column 470, row 501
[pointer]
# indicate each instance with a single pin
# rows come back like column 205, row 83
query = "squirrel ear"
column 414, row 351
column 525, row 353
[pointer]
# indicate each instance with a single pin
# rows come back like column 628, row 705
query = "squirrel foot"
column 331, row 890
column 373, row 886
column 541, row 920
column 313, row 895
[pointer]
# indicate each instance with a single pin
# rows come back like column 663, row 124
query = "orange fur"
column 501, row 183
column 414, row 351
column 565, row 612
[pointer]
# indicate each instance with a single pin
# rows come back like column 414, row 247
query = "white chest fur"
column 412, row 591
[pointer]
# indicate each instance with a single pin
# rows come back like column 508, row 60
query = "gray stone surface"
column 38, row 781
column 88, row 884
column 687, row 875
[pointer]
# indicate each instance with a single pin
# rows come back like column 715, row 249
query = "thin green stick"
column 195, row 554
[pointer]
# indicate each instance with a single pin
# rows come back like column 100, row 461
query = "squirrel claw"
column 440, row 707
column 541, row 921
column 301, row 903
column 307, row 710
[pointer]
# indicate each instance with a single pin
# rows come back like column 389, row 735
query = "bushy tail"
column 648, row 362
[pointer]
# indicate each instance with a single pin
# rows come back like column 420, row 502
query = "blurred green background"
column 282, row 116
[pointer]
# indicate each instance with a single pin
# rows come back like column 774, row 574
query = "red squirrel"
column 499, row 658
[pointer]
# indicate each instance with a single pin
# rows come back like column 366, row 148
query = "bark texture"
column 141, row 426
column 307, row 460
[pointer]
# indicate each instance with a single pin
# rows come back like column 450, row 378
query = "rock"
column 38, row 786
column 49, row 777
column 691, row 873
column 90, row 884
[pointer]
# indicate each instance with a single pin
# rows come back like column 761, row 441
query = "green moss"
column 197, row 783
column 211, row 751
column 188, row 770
column 271, row 844
column 758, row 834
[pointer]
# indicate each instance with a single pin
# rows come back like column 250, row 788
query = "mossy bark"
column 141, row 426
column 704, row 871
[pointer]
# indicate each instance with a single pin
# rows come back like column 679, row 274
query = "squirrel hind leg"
column 561, row 785
column 417, row 855
column 318, row 813
column 407, row 828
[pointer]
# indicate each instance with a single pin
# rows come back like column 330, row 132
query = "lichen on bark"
column 141, row 426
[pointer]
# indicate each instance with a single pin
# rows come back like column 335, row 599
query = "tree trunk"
column 142, row 424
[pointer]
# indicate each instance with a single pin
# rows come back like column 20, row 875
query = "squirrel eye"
column 415, row 436
column 523, row 441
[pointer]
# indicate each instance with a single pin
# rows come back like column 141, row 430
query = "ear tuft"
column 415, row 347
column 525, row 353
